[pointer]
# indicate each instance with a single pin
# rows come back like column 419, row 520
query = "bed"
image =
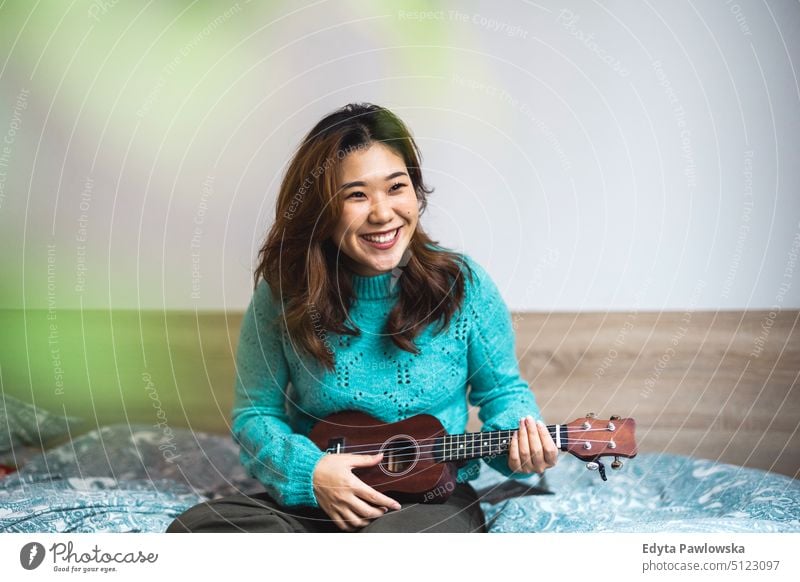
column 718, row 435
column 136, row 478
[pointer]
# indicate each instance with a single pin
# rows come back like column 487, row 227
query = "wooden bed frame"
column 719, row 385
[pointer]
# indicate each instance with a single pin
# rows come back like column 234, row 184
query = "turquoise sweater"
column 279, row 394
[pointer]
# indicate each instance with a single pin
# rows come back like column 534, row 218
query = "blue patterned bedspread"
column 119, row 479
column 651, row 493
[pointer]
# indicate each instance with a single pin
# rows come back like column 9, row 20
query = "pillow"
column 652, row 492
column 208, row 464
column 41, row 504
column 23, row 424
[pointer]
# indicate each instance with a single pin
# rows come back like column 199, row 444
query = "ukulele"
column 420, row 460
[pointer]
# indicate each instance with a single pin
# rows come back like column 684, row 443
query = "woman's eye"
column 354, row 193
column 397, row 186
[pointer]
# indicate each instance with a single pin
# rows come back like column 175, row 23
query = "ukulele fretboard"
column 476, row 445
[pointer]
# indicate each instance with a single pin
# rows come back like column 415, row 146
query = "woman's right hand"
column 347, row 500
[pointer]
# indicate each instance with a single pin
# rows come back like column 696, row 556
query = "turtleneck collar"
column 375, row 287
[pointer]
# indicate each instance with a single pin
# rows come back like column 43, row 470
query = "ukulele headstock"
column 591, row 438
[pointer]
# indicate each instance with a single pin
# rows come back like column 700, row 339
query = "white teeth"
column 381, row 239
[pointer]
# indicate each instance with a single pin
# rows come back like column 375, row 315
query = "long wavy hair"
column 299, row 258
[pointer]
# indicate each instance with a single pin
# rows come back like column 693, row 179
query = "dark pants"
column 261, row 513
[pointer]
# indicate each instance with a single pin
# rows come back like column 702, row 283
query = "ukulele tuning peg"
column 591, row 415
column 597, row 466
column 616, row 463
column 615, row 417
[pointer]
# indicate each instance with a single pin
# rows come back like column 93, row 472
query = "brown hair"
column 298, row 258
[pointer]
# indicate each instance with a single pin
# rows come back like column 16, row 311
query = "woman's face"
column 378, row 198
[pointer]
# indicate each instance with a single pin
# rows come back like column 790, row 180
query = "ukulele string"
column 412, row 455
column 569, row 432
column 358, row 449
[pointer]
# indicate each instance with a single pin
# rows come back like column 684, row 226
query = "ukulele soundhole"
column 400, row 455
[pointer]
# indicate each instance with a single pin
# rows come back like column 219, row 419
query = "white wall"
column 592, row 156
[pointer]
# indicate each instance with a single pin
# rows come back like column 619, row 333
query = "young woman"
column 356, row 308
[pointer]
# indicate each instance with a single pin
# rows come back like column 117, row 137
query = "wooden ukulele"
column 420, row 460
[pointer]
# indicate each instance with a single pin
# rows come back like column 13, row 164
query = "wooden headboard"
column 718, row 385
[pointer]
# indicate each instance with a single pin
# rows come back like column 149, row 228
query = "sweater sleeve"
column 282, row 460
column 496, row 384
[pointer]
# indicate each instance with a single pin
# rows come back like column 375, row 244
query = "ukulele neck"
column 476, row 445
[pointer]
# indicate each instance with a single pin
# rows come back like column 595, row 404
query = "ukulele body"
column 408, row 471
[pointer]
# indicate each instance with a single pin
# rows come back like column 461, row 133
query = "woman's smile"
column 382, row 241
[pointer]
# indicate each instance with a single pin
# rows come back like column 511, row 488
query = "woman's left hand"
column 532, row 448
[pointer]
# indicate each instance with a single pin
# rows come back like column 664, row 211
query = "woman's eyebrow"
column 359, row 183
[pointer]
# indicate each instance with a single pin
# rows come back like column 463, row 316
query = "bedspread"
column 119, row 479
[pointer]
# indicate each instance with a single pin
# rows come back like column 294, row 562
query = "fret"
column 474, row 445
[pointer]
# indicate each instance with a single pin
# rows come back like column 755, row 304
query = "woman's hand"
column 347, row 500
column 532, row 448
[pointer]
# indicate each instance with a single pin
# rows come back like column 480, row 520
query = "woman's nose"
column 381, row 210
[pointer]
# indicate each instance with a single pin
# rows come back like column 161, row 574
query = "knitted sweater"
column 280, row 391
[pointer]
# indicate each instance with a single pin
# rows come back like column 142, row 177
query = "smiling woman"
column 358, row 309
